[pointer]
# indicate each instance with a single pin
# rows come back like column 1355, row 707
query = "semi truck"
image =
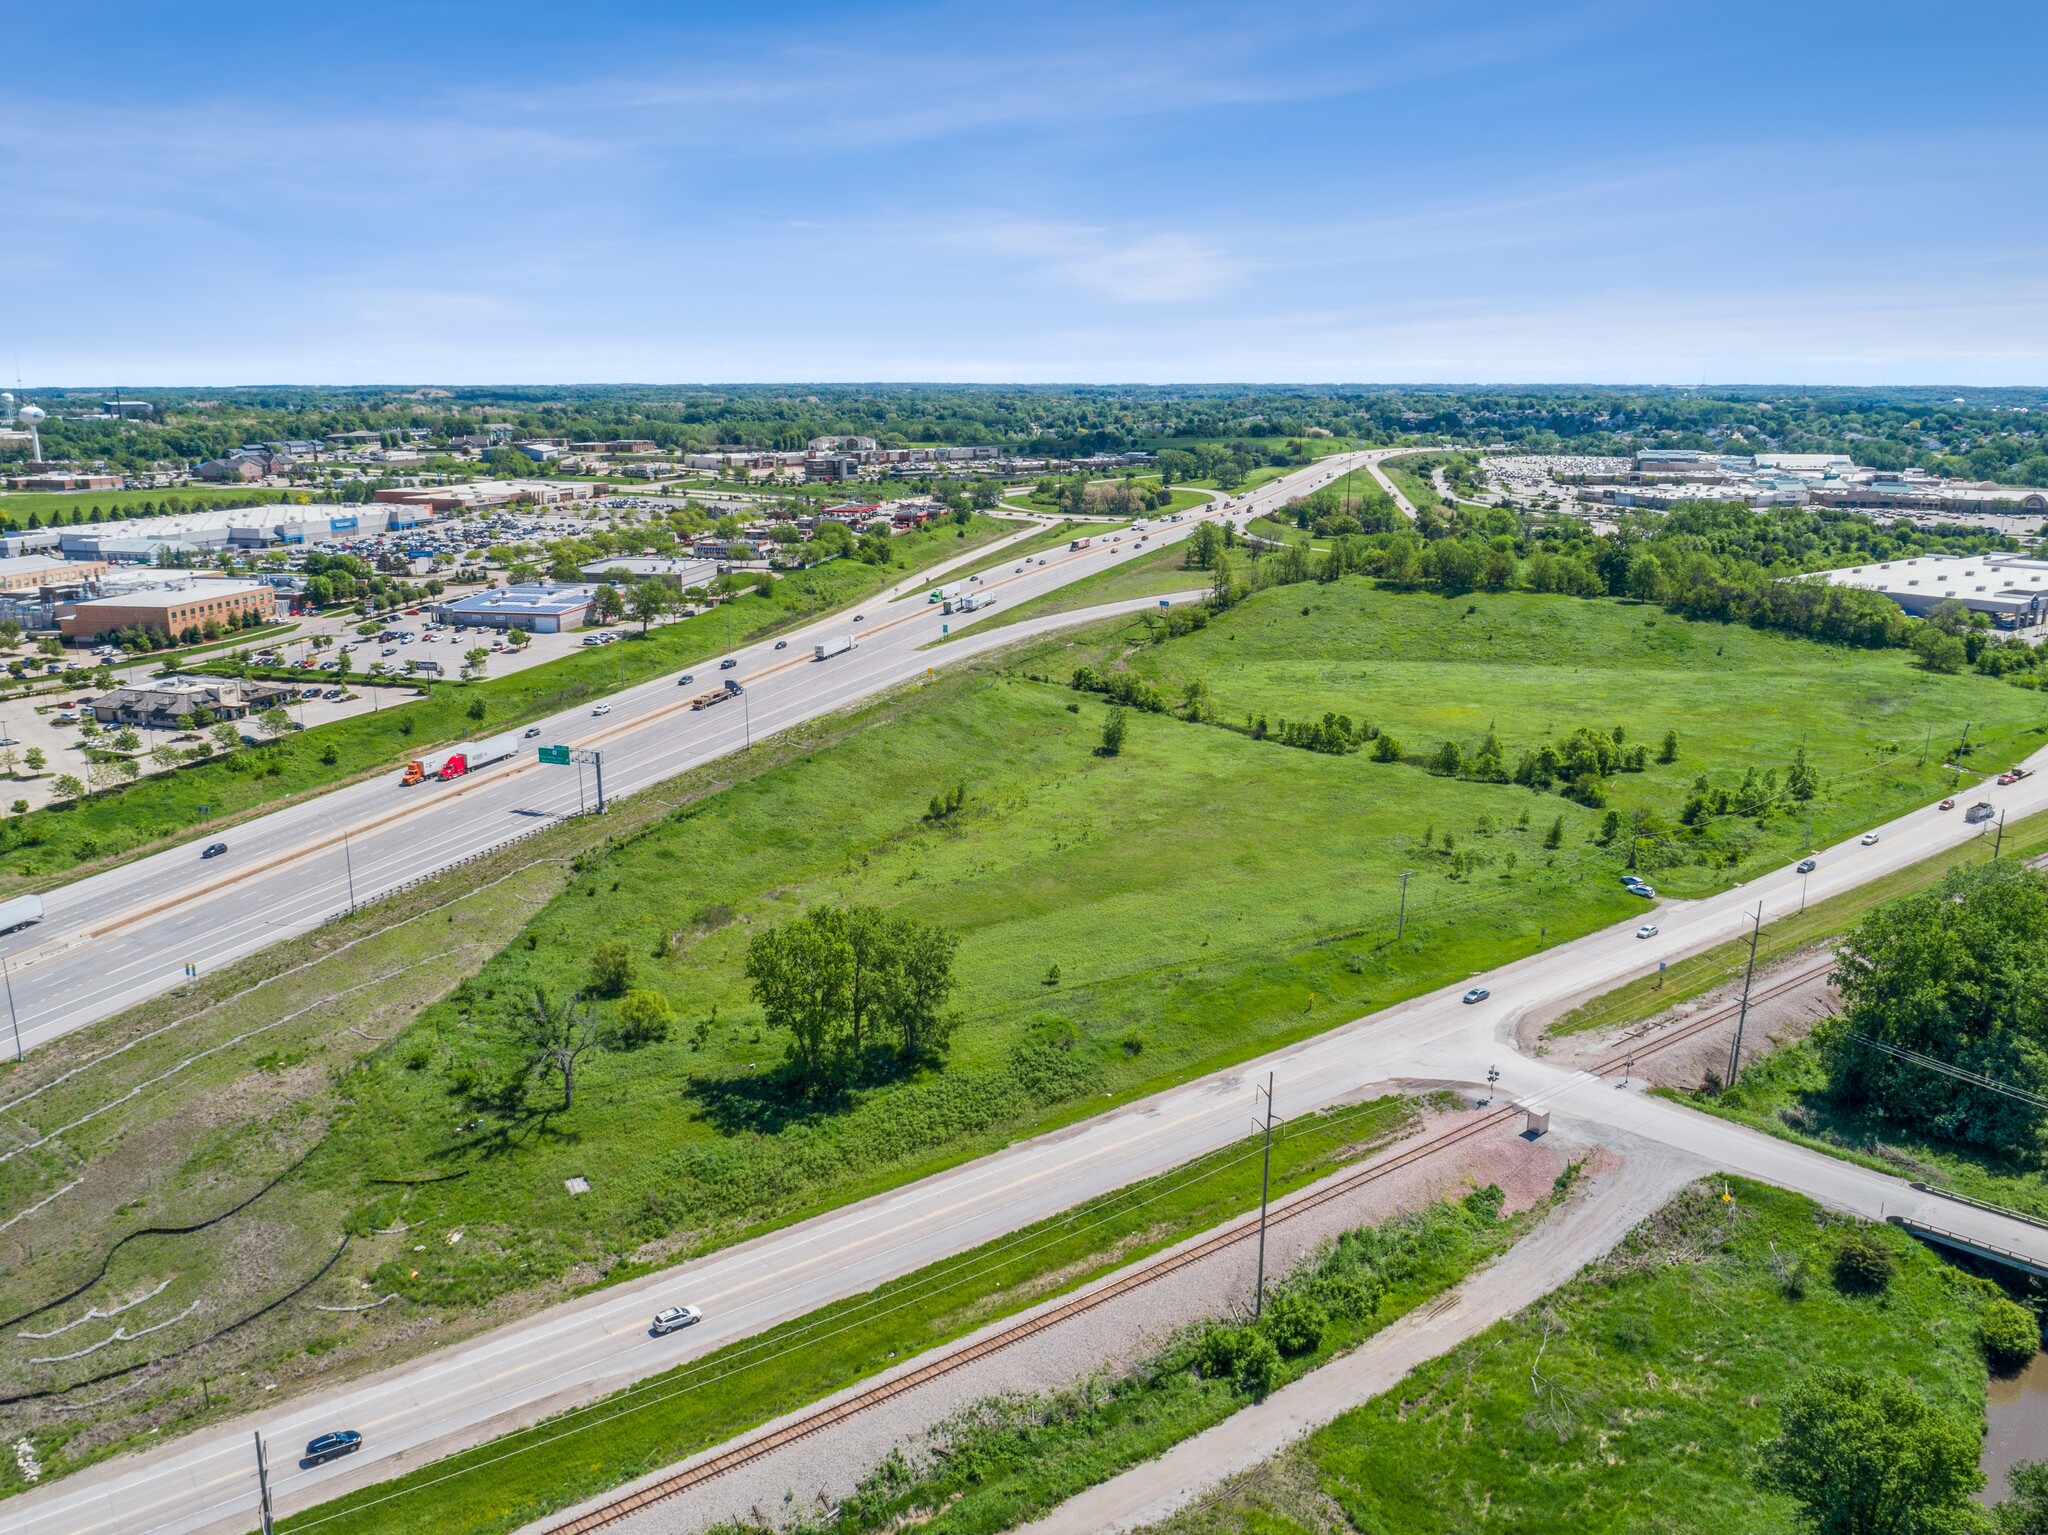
column 1080, row 543
column 838, row 645
column 20, row 912
column 944, row 593
column 968, row 603
column 717, row 695
column 463, row 757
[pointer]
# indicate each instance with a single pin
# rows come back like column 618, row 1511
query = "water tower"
column 31, row 416
column 6, row 407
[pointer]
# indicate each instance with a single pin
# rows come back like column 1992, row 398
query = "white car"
column 1869, row 837
column 1647, row 930
column 675, row 1318
column 602, row 709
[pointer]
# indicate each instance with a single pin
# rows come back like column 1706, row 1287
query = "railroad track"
column 1802, row 975
column 886, row 1391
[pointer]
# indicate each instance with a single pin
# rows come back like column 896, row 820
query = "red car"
column 1948, row 804
column 2005, row 778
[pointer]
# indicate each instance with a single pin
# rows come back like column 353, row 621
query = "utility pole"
column 1742, row 1016
column 1265, row 1183
column 262, row 1487
column 1998, row 846
column 1401, row 923
column 597, row 762
column 348, row 864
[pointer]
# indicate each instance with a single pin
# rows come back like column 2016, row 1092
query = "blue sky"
column 218, row 193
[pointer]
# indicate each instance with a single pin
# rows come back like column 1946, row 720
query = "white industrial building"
column 2012, row 588
column 136, row 540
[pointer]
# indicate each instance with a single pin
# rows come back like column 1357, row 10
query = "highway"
column 472, row 1390
column 123, row 936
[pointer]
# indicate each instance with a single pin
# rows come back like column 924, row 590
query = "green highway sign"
column 559, row 755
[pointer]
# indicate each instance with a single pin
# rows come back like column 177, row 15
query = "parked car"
column 342, row 1442
column 1647, row 892
column 1869, row 837
column 1647, row 930
column 1477, row 994
column 214, row 850
column 1807, row 866
column 675, row 1319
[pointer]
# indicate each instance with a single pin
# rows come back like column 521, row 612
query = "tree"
column 164, row 757
column 1958, row 973
column 274, row 722
column 67, row 787
column 35, row 759
column 2025, row 1510
column 1869, row 1456
column 557, row 1036
column 797, row 970
column 916, row 987
column 1669, row 751
column 1114, row 730
column 475, row 659
column 1555, row 836
column 1938, row 651
column 611, row 968
column 127, row 741
column 227, row 736
column 649, row 600
column 519, row 639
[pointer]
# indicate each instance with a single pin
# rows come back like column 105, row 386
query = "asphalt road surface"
column 118, row 938
column 430, row 1407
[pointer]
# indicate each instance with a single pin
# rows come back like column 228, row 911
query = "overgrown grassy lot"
column 1125, row 922
column 510, row 1480
column 1632, row 1400
column 38, row 848
column 1156, row 572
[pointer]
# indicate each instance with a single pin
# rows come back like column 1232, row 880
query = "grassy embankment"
column 37, row 849
column 1204, row 896
column 1415, row 486
column 1823, row 921
column 1044, row 540
column 1154, row 573
column 665, row 1418
column 1632, row 1399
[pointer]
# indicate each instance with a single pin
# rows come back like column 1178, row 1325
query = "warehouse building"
column 544, row 608
column 170, row 611
column 646, row 567
column 2010, row 587
column 39, row 572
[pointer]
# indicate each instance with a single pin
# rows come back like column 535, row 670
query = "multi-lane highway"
column 120, row 937
column 469, row 1391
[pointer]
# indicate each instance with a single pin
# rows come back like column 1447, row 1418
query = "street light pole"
column 262, row 1487
column 1401, row 922
column 7, row 971
column 348, row 863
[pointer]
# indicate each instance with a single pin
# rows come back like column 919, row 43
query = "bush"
column 1258, row 1366
column 2010, row 1333
column 1354, row 1296
column 1863, row 1263
column 611, row 968
column 1295, row 1323
column 644, row 1019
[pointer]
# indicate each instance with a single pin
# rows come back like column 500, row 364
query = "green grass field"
column 16, row 506
column 508, row 1481
column 1629, row 1402
column 1154, row 573
column 1416, row 487
column 39, row 849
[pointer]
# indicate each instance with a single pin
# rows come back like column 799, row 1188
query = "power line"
column 1949, row 1069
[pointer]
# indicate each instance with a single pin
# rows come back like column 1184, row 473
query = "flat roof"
column 523, row 599
column 198, row 591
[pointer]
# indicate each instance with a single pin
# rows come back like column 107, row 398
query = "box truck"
column 838, row 645
column 20, row 912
